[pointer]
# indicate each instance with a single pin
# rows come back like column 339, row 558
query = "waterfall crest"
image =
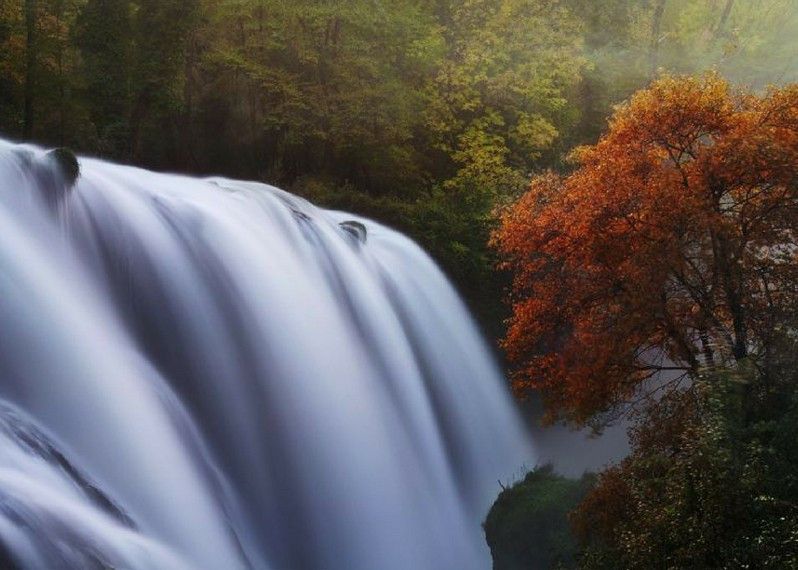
column 214, row 374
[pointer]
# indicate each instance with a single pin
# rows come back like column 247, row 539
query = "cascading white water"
column 211, row 374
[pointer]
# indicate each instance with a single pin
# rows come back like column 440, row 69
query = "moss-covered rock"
column 528, row 529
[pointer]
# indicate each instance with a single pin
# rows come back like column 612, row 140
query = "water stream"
column 213, row 374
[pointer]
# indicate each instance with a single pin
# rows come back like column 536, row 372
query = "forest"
column 612, row 186
column 424, row 114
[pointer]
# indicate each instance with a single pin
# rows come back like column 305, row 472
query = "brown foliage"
column 671, row 246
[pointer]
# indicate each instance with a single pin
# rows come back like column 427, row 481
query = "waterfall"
column 214, row 374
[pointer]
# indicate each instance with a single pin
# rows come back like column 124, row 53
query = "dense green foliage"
column 528, row 527
column 712, row 482
column 426, row 114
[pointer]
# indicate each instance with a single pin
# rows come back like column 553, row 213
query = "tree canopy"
column 711, row 481
column 672, row 246
column 425, row 114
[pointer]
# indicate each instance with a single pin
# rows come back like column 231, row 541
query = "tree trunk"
column 59, row 14
column 706, row 347
column 732, row 283
column 137, row 117
column 656, row 32
column 724, row 17
column 31, row 61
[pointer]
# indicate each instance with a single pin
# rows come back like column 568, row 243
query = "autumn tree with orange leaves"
column 671, row 246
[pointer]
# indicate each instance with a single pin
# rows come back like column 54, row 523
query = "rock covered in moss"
column 528, row 527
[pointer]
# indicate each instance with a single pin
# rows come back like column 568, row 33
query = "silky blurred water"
column 212, row 374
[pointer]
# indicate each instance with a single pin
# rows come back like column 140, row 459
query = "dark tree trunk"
column 732, row 284
column 137, row 117
column 59, row 14
column 31, row 61
column 721, row 26
column 656, row 33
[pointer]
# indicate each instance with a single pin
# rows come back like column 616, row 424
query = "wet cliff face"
column 216, row 374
